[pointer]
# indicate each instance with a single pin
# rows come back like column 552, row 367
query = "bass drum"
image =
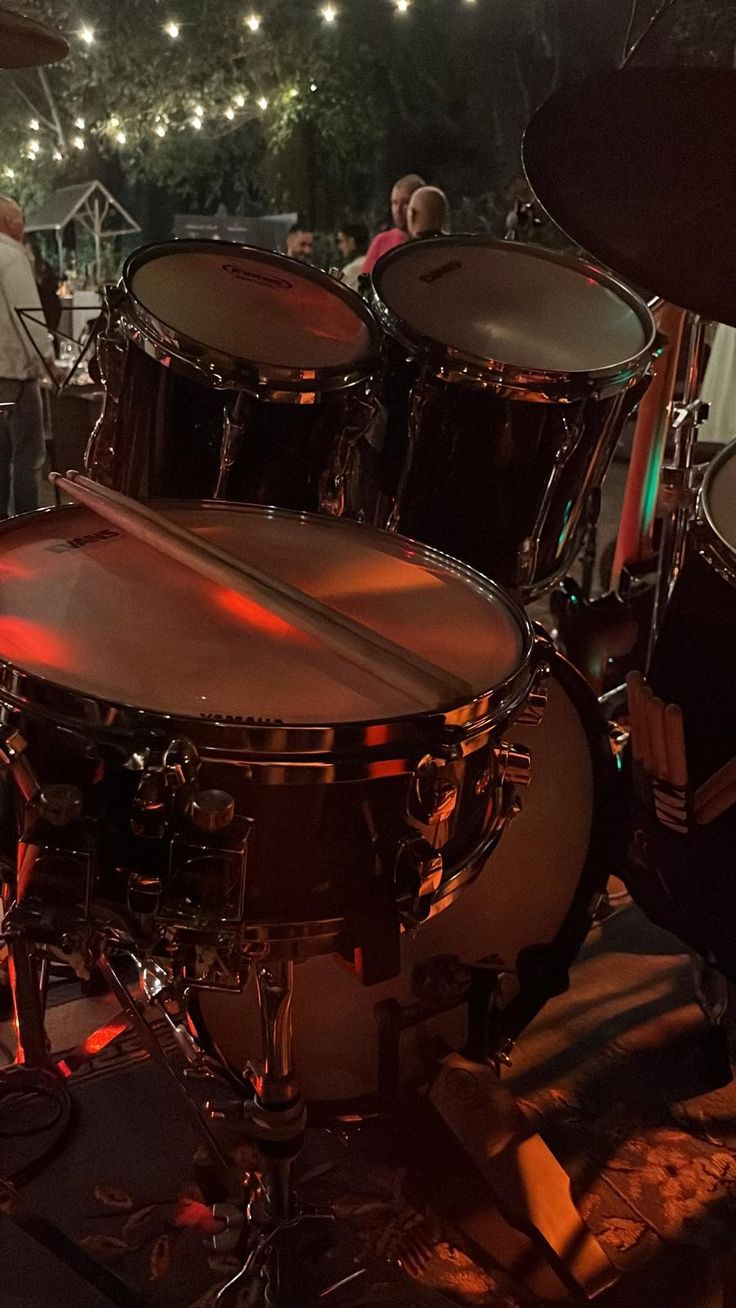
column 531, row 908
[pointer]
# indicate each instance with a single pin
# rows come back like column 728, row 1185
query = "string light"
column 313, row 86
column 253, row 22
column 34, row 125
column 34, row 146
column 262, row 102
column 402, row 6
column 293, row 93
column 10, row 174
column 58, row 156
column 199, row 111
column 121, row 138
column 78, row 142
column 87, row 35
column 239, row 101
column 160, row 130
column 196, row 122
column 329, row 13
column 230, row 114
column 172, row 29
column 80, row 123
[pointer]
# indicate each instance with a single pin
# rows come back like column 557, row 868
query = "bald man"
column 21, row 425
column 400, row 197
column 428, row 213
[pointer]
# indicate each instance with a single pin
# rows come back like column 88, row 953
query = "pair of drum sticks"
column 658, row 747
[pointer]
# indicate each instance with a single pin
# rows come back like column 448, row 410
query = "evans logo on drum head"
column 434, row 274
column 245, row 275
column 79, row 542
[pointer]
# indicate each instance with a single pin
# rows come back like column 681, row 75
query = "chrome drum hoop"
column 173, row 348
column 710, row 541
column 503, row 379
column 280, row 753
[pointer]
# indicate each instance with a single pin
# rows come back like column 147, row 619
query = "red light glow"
column 256, row 615
column 23, row 641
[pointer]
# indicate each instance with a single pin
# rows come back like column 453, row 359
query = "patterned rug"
column 614, row 1075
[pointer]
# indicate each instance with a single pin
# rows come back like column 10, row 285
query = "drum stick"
column 367, row 649
column 674, row 733
column 716, row 794
column 660, row 767
column 635, row 687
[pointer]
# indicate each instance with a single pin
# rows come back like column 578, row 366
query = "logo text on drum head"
column 245, row 275
column 434, row 274
column 79, row 542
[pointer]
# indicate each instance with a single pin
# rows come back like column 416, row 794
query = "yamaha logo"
column 263, row 279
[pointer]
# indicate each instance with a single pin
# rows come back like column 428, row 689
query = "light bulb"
column 121, row 138
column 58, row 156
column 196, row 122
column 172, row 29
column 229, row 114
column 160, row 130
column 239, row 100
column 402, row 6
column 253, row 22
column 199, row 111
column 78, row 142
column 329, row 13
column 10, row 173
column 79, row 122
column 313, row 86
column 262, row 102
column 34, row 125
column 87, row 35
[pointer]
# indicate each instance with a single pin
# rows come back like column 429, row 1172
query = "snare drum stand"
column 276, row 1236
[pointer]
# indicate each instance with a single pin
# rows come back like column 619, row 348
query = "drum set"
column 276, row 727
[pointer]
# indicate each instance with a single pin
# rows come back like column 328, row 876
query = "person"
column 22, row 448
column 299, row 242
column 400, row 196
column 352, row 242
column 428, row 213
column 47, row 283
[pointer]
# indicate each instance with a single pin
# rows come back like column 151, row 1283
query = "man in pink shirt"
column 385, row 241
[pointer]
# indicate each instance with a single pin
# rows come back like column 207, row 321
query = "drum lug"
column 418, row 871
column 514, row 762
column 533, row 711
column 12, row 756
column 432, row 798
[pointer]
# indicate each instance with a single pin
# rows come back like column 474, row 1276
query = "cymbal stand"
column 677, row 478
column 277, row 1120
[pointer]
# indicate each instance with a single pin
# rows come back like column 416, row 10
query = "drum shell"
column 508, row 484
column 531, row 907
column 161, row 431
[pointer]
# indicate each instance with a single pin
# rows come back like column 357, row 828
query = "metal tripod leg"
column 148, row 1039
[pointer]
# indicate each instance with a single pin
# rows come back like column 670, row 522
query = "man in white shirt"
column 21, row 425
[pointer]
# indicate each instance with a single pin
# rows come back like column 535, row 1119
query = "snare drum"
column 523, row 367
column 233, row 373
column 530, row 909
column 238, row 781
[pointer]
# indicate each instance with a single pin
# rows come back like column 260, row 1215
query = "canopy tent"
column 92, row 206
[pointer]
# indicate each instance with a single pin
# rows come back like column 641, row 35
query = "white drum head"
column 92, row 609
column 521, row 898
column 252, row 305
column 512, row 304
column 719, row 496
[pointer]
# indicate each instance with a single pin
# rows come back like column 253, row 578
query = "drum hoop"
column 164, row 342
column 716, row 549
column 450, row 364
column 297, row 753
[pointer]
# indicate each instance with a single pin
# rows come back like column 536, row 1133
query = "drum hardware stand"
column 677, row 478
column 271, row 1220
column 233, row 433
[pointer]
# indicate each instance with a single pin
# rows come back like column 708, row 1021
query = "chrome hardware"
column 418, row 872
column 515, row 763
column 60, row 805
column 483, row 782
column 181, row 763
column 533, row 711
column 618, row 738
column 149, row 811
column 211, row 810
column 432, row 799
column 144, row 893
column 12, row 756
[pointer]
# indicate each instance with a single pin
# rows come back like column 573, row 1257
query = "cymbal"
column 639, row 168
column 24, row 43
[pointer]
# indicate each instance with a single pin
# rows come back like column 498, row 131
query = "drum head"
column 98, row 613
column 718, row 499
column 511, row 305
column 269, row 311
column 538, row 888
